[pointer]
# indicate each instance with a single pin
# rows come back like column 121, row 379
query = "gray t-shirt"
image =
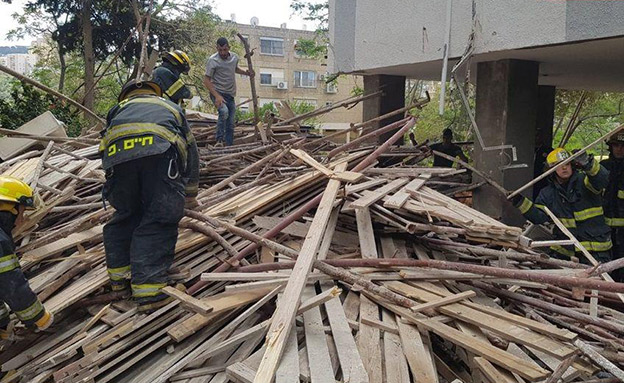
column 222, row 72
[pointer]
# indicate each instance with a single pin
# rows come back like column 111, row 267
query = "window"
column 305, row 79
column 271, row 76
column 271, row 46
column 265, row 78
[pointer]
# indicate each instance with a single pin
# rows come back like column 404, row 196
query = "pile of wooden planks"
column 299, row 266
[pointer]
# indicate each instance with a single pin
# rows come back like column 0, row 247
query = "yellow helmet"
column 178, row 58
column 556, row 156
column 16, row 191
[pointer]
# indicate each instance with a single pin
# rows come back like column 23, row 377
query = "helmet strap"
column 11, row 207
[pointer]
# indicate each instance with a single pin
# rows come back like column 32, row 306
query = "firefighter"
column 152, row 172
column 575, row 197
column 15, row 292
column 167, row 76
column 613, row 199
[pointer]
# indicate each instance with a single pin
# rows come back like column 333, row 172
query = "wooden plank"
column 546, row 329
column 501, row 327
column 353, row 370
column 491, row 372
column 300, row 229
column 418, row 357
column 378, row 194
column 284, row 315
column 396, row 368
column 443, row 301
column 189, row 301
column 491, row 353
column 368, row 339
column 399, row 198
column 288, row 369
column 40, row 253
column 220, row 303
column 351, row 306
column 316, row 344
column 344, row 176
column 368, row 247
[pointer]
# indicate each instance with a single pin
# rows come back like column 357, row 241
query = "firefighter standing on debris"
column 152, row 165
column 15, row 292
column 167, row 76
column 614, row 197
column 575, row 198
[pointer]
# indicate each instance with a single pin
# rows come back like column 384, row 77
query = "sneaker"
column 219, row 144
column 46, row 321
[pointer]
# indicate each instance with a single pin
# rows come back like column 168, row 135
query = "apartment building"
column 22, row 63
column 282, row 73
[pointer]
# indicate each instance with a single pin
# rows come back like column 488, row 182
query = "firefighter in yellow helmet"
column 574, row 195
column 15, row 292
column 152, row 170
column 174, row 64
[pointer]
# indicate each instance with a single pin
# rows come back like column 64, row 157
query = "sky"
column 271, row 13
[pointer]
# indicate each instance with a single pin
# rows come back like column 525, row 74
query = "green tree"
column 25, row 103
column 317, row 12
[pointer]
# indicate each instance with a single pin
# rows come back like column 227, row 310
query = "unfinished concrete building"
column 516, row 53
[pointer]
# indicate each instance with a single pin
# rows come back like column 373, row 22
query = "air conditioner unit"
column 331, row 88
column 282, row 85
column 322, row 77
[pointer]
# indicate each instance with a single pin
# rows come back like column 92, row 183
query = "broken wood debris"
column 393, row 279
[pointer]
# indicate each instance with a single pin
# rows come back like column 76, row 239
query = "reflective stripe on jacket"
column 578, row 205
column 168, row 77
column 147, row 125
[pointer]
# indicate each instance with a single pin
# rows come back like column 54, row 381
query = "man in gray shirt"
column 221, row 69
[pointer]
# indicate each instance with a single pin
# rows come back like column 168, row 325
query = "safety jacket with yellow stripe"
column 578, row 204
column 168, row 77
column 613, row 199
column 147, row 125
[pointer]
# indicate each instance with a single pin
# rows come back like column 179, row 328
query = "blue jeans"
column 225, row 124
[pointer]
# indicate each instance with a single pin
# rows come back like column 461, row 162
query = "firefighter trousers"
column 16, row 294
column 148, row 196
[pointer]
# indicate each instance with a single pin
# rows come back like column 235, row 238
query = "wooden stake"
column 252, row 80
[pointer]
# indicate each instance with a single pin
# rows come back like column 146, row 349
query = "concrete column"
column 545, row 114
column 393, row 99
column 506, row 113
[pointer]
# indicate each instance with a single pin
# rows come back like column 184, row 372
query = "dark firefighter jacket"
column 614, row 193
column 578, row 204
column 147, row 125
column 168, row 77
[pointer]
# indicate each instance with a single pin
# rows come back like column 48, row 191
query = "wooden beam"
column 443, row 301
column 284, row 316
column 196, row 305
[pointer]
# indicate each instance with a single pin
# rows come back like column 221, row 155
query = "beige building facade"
column 283, row 74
